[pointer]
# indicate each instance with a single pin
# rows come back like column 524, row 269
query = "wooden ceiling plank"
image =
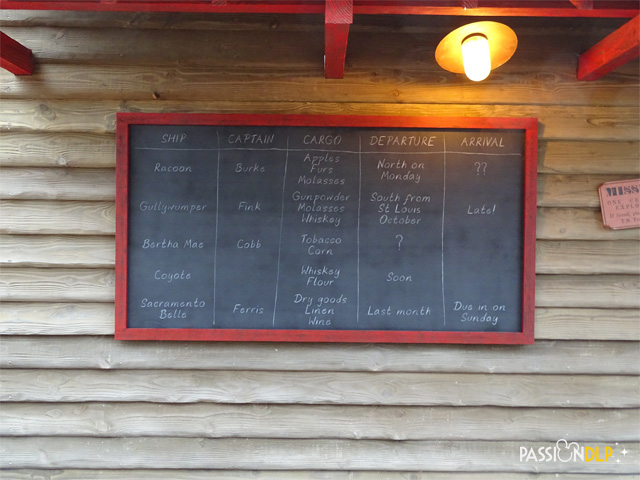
column 15, row 57
column 613, row 51
column 338, row 19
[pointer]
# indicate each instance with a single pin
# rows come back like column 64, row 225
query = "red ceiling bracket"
column 583, row 4
column 611, row 52
column 14, row 56
column 338, row 17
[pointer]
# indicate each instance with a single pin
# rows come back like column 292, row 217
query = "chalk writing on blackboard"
column 324, row 228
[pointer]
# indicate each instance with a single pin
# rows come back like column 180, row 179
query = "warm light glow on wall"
column 476, row 57
column 476, row 49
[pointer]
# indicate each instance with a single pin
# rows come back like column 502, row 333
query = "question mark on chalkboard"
column 400, row 238
column 482, row 165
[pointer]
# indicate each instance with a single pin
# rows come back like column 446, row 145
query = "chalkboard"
column 325, row 228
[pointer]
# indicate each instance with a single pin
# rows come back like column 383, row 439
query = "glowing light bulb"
column 476, row 57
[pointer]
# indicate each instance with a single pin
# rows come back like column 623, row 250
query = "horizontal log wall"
column 78, row 405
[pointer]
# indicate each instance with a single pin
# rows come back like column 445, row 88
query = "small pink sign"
column 620, row 204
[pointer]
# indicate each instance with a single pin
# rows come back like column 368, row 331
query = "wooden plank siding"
column 398, row 423
column 78, row 405
column 97, row 352
column 614, row 124
column 80, row 474
column 345, row 388
column 286, row 454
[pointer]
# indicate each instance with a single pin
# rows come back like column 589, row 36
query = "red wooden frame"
column 583, row 4
column 15, row 57
column 525, row 336
column 338, row 17
column 611, row 52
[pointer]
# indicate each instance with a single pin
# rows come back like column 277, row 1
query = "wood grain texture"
column 158, row 20
column 57, row 318
column 93, row 184
column 63, row 217
column 140, row 474
column 77, row 43
column 577, row 224
column 319, row 388
column 98, row 319
column 602, row 291
column 296, row 421
column 616, row 358
column 588, row 157
column 59, row 285
column 338, row 11
column 57, row 251
column 276, row 454
column 584, row 323
column 285, row 81
column 572, row 190
column 264, row 47
column 587, row 258
column 41, row 149
column 560, row 122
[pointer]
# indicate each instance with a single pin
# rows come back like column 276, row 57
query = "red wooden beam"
column 583, row 4
column 611, row 52
column 14, row 56
column 511, row 8
column 499, row 8
column 215, row 6
column 338, row 17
